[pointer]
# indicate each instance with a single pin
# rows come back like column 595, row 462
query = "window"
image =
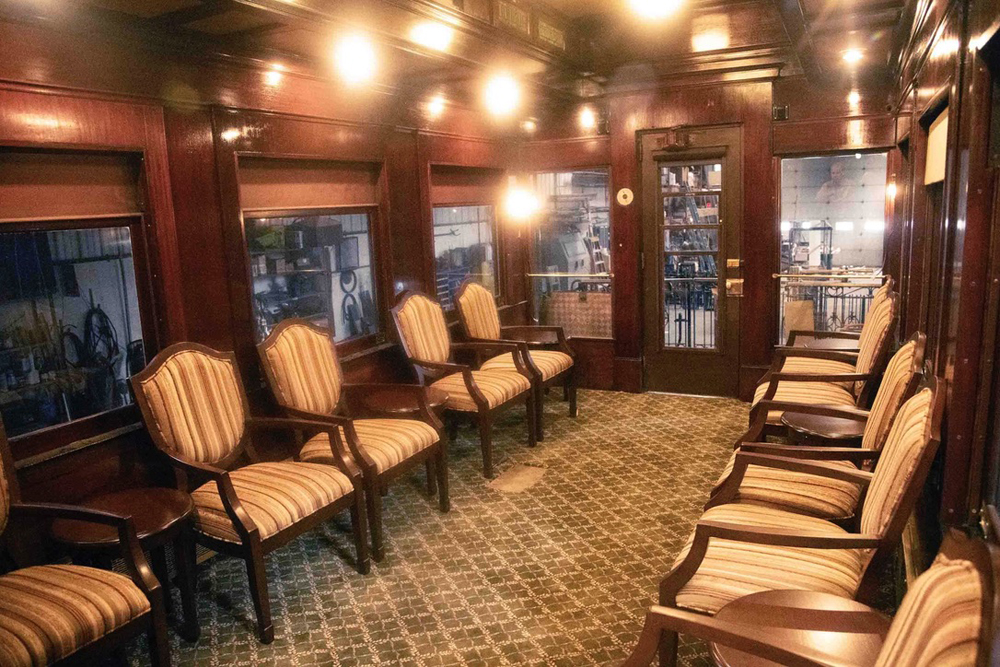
column 316, row 266
column 70, row 328
column 571, row 257
column 464, row 247
column 832, row 230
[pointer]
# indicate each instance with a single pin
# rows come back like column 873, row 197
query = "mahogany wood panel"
column 283, row 184
column 834, row 134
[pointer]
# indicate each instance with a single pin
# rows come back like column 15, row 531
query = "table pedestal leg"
column 187, row 578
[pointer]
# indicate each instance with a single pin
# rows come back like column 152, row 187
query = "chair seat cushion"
column 806, row 393
column 819, row 367
column 731, row 569
column 797, row 492
column 51, row 611
column 275, row 495
column 549, row 362
column 388, row 442
column 498, row 387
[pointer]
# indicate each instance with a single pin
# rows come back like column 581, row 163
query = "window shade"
column 937, row 149
column 282, row 184
column 464, row 185
column 47, row 185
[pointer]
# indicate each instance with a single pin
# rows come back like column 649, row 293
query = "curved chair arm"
column 820, row 453
column 519, row 352
column 839, row 411
column 539, row 335
column 726, row 492
column 523, row 349
column 128, row 540
column 802, row 333
column 742, row 637
column 810, row 353
column 470, row 382
column 418, row 393
column 327, row 425
column 345, row 462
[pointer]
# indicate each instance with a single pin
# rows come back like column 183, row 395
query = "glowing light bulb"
column 273, row 76
column 355, row 59
column 853, row 56
column 854, row 98
column 890, row 191
column 529, row 126
column 502, row 95
column 588, row 119
column 435, row 106
column 654, row 9
column 432, row 35
column 521, row 204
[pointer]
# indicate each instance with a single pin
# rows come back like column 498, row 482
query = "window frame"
column 357, row 344
column 498, row 284
column 57, row 436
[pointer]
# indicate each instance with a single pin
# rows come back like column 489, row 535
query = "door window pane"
column 70, row 331
column 317, row 266
column 691, row 178
column 699, row 210
column 571, row 257
column 463, row 248
column 689, row 240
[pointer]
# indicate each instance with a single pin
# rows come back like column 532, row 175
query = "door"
column 692, row 205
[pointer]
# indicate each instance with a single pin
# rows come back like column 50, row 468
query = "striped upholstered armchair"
column 739, row 549
column 196, row 412
column 824, row 497
column 62, row 614
column 544, row 349
column 304, row 373
column 476, row 393
column 823, row 377
column 947, row 619
column 846, row 339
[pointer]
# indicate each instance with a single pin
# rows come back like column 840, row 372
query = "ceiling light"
column 529, row 126
column 435, row 106
column 588, row 119
column 654, row 9
column 355, row 59
column 272, row 77
column 432, row 35
column 854, row 98
column 503, row 95
column 853, row 56
column 521, row 204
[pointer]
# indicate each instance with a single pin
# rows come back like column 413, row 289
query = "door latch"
column 734, row 287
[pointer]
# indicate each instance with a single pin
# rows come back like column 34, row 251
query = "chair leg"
column 441, row 463
column 431, row 478
column 540, row 411
column 257, row 574
column 373, row 496
column 668, row 649
column 158, row 561
column 187, row 578
column 532, row 419
column 452, row 428
column 159, row 644
column 486, row 442
column 571, row 390
column 359, row 526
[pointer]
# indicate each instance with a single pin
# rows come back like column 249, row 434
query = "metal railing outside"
column 824, row 301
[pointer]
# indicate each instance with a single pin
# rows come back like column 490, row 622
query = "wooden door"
column 692, row 205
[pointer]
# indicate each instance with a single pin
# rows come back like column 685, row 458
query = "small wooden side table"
column 806, row 429
column 840, row 627
column 162, row 517
column 387, row 398
column 833, row 344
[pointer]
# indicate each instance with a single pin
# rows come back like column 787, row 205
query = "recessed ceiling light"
column 853, row 56
column 432, row 35
column 854, row 98
column 588, row 119
column 654, row 9
column 435, row 106
column 502, row 95
column 355, row 59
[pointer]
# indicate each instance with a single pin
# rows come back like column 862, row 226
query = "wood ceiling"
column 570, row 49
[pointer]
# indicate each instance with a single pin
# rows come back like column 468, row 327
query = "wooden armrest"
column 811, row 353
column 128, row 540
column 517, row 350
column 444, row 367
column 839, row 411
column 466, row 371
column 742, row 637
column 802, row 333
column 821, row 377
column 853, row 454
column 355, row 392
column 322, row 423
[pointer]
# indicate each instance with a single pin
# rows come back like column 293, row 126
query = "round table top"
column 826, row 428
column 837, row 626
column 390, row 398
column 833, row 344
column 153, row 510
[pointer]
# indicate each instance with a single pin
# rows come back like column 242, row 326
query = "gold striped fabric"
column 304, row 365
column 196, row 405
column 388, row 442
column 940, row 620
column 498, row 387
column 422, row 325
column 873, row 335
column 275, row 495
column 731, row 570
column 479, row 312
column 797, row 492
column 908, row 440
column 819, row 367
column 549, row 362
column 898, row 375
column 881, row 294
column 807, row 393
column 49, row 612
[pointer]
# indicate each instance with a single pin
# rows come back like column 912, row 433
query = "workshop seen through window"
column 70, row 331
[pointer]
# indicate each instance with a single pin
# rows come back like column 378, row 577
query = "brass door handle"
column 734, row 287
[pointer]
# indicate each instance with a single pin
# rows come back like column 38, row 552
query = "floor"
column 557, row 569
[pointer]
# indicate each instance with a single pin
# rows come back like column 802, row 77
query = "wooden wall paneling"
column 810, row 137
column 412, row 255
column 892, row 251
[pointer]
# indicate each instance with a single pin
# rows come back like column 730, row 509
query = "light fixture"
column 520, row 203
column 435, row 106
column 654, row 9
column 853, row 56
column 529, row 126
column 432, row 35
column 857, row 156
column 890, row 190
column 854, row 98
column 844, row 226
column 502, row 95
column 230, row 135
column 355, row 59
column 273, row 76
column 588, row 119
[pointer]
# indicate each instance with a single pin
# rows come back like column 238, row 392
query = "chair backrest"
column 899, row 382
column 905, row 461
column 478, row 311
column 876, row 337
column 193, row 402
column 300, row 362
column 947, row 616
column 7, row 484
column 422, row 328
column 882, row 292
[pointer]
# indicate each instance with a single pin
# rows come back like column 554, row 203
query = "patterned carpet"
column 559, row 574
